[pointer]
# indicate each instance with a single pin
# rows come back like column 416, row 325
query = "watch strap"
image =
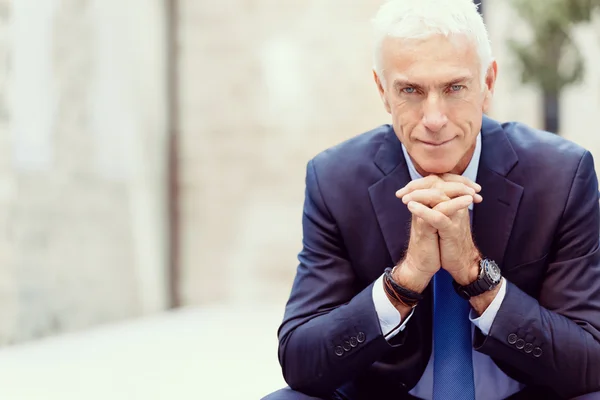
column 481, row 285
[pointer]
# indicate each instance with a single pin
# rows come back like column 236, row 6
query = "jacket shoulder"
column 349, row 160
column 544, row 148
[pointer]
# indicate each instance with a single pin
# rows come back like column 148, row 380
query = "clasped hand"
column 440, row 228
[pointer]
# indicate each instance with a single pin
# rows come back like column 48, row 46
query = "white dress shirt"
column 490, row 382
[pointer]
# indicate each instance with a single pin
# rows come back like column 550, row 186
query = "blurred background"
column 152, row 161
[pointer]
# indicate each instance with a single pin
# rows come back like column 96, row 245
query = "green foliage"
column 551, row 60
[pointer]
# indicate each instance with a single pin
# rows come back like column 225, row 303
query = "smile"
column 435, row 144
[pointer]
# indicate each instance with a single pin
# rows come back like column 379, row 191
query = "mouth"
column 435, row 144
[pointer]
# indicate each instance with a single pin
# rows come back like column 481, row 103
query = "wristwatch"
column 489, row 277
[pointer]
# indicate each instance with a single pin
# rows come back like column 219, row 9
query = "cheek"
column 406, row 113
column 404, row 127
column 465, row 114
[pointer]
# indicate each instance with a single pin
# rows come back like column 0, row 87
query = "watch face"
column 492, row 270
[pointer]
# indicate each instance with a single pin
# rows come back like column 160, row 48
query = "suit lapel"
column 494, row 217
column 392, row 215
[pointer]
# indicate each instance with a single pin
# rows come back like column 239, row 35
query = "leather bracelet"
column 395, row 297
column 404, row 292
column 399, row 293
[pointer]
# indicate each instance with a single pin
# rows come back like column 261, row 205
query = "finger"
column 450, row 207
column 417, row 184
column 423, row 183
column 433, row 217
column 428, row 197
column 454, row 189
column 461, row 179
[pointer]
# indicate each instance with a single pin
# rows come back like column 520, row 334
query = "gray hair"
column 419, row 19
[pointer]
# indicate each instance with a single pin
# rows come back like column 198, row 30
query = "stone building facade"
column 82, row 128
column 264, row 85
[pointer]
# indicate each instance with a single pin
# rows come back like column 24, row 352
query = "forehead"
column 432, row 59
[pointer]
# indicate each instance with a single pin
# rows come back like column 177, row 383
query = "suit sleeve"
column 556, row 340
column 330, row 330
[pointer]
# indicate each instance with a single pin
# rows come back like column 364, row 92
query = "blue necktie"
column 453, row 354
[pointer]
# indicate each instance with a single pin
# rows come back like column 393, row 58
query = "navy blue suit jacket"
column 539, row 221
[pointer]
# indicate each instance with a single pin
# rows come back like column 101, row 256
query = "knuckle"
column 438, row 219
column 434, row 179
column 450, row 186
column 442, row 184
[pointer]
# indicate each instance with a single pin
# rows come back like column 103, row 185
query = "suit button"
column 520, row 344
column 512, row 338
column 528, row 348
column 353, row 341
column 346, row 345
column 339, row 351
column 360, row 337
column 537, row 352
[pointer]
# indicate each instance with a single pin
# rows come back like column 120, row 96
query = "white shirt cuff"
column 389, row 316
column 485, row 321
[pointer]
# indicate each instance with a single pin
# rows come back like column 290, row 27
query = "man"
column 491, row 233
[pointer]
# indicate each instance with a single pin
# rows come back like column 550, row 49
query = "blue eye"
column 456, row 88
column 409, row 90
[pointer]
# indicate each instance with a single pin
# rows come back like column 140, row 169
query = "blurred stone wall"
column 268, row 84
column 264, row 85
column 81, row 181
column 8, row 298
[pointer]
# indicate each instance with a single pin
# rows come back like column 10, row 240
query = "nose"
column 434, row 117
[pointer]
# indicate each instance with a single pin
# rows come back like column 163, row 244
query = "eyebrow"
column 399, row 83
column 460, row 79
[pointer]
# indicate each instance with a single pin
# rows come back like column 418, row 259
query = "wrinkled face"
column 433, row 89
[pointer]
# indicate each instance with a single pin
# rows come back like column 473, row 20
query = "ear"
column 381, row 90
column 490, row 85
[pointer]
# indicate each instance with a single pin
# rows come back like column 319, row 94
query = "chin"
column 437, row 167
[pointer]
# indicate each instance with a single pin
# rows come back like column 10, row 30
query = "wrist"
column 470, row 273
column 407, row 275
column 406, row 279
column 482, row 302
